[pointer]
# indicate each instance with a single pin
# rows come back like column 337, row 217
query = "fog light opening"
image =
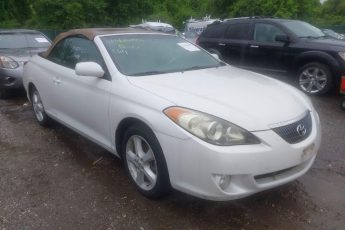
column 223, row 181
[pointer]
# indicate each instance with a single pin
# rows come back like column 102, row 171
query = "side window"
column 56, row 54
column 73, row 50
column 215, row 31
column 238, row 31
column 266, row 32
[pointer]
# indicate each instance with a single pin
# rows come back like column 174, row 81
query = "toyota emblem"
column 301, row 130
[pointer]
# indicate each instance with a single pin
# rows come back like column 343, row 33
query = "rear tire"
column 144, row 162
column 315, row 78
column 42, row 118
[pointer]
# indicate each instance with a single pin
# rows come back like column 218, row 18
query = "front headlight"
column 8, row 63
column 342, row 55
column 209, row 128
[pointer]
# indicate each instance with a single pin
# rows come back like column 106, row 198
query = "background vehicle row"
column 278, row 46
column 16, row 47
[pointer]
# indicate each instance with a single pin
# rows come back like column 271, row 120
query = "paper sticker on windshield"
column 41, row 40
column 188, row 46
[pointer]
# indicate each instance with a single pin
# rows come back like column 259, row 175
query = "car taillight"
column 342, row 86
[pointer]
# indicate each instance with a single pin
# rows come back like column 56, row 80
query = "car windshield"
column 303, row 29
column 23, row 40
column 147, row 54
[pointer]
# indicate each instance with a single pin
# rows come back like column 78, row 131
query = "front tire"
column 315, row 79
column 145, row 163
column 37, row 105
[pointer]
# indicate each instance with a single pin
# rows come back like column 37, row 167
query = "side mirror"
column 89, row 69
column 282, row 38
column 215, row 56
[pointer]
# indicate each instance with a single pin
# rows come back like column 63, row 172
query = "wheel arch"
column 121, row 128
column 31, row 87
column 317, row 56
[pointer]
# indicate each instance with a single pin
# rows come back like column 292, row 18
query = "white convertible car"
column 177, row 116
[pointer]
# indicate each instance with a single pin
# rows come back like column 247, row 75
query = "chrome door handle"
column 254, row 46
column 221, row 44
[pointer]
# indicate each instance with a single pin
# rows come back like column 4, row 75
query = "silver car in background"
column 156, row 26
column 332, row 34
column 16, row 47
column 193, row 28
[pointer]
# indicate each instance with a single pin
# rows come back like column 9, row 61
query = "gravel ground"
column 56, row 179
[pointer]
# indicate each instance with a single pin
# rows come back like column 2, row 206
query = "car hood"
column 21, row 54
column 247, row 99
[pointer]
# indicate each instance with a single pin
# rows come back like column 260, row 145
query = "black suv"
column 279, row 45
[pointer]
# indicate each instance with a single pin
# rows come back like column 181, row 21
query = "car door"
column 235, row 42
column 264, row 52
column 82, row 102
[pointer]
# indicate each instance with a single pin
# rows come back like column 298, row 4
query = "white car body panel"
column 94, row 107
column 228, row 95
column 59, row 88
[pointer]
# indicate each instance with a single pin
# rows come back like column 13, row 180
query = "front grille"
column 297, row 131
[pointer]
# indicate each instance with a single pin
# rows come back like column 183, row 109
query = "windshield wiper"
column 312, row 37
column 21, row 48
column 194, row 68
column 34, row 48
column 199, row 67
column 154, row 72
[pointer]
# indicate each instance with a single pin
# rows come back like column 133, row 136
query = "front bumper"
column 195, row 167
column 11, row 78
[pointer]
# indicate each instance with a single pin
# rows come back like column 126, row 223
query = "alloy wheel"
column 313, row 80
column 141, row 162
column 38, row 106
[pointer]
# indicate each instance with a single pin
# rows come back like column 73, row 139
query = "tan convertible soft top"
column 91, row 33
